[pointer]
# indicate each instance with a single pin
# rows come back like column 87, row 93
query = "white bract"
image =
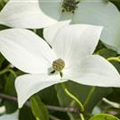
column 70, row 58
column 42, row 13
column 25, row 14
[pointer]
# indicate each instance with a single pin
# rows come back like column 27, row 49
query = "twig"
column 54, row 118
column 8, row 97
column 49, row 107
column 113, row 104
column 63, row 109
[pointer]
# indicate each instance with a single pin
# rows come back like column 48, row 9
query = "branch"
column 49, row 107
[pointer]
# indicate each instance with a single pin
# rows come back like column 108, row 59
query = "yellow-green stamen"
column 58, row 65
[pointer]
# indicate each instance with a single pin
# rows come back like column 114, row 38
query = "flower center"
column 69, row 5
column 58, row 65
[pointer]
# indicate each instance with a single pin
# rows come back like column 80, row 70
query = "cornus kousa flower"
column 69, row 58
column 42, row 13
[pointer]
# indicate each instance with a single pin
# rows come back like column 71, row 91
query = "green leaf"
column 116, row 65
column 3, row 27
column 39, row 32
column 44, row 95
column 11, row 106
column 1, row 60
column 106, row 53
column 104, row 117
column 99, row 47
column 115, row 95
column 81, row 92
column 26, row 114
column 38, row 108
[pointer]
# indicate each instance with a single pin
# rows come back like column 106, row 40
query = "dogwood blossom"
column 69, row 58
column 42, row 13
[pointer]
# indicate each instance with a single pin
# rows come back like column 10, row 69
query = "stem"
column 117, row 59
column 81, row 116
column 49, row 107
column 8, row 70
column 73, row 97
column 8, row 97
column 63, row 109
column 113, row 104
column 54, row 118
column 89, row 96
column 3, row 71
column 11, row 71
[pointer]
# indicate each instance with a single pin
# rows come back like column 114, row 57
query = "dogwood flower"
column 69, row 58
column 42, row 13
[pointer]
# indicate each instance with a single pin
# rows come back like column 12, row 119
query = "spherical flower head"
column 58, row 65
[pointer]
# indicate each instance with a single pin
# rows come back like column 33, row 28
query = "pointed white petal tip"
column 34, row 57
column 94, row 70
column 72, row 42
column 27, row 85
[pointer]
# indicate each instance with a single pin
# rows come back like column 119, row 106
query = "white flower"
column 70, row 58
column 42, row 13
